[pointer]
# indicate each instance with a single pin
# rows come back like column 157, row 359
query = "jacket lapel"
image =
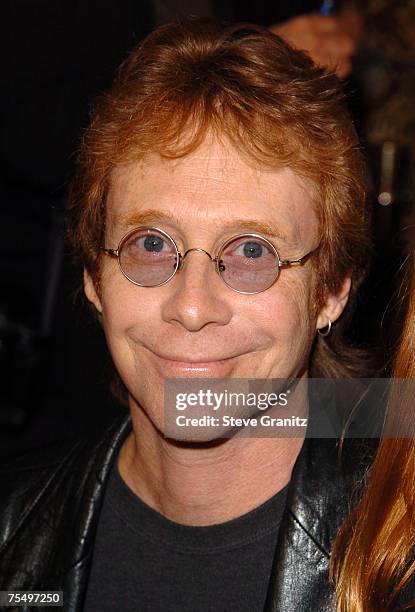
column 50, row 521
column 319, row 499
column 85, row 512
column 49, row 513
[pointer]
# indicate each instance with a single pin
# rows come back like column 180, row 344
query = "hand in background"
column 322, row 38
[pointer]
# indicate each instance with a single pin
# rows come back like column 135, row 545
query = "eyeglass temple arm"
column 298, row 262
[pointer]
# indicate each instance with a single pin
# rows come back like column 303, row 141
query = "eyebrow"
column 150, row 216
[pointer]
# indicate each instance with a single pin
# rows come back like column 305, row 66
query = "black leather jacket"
column 50, row 505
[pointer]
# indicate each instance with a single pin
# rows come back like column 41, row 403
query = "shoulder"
column 56, row 473
column 323, row 482
column 336, row 458
column 327, row 482
column 328, row 467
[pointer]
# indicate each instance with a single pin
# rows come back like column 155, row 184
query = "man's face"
column 194, row 325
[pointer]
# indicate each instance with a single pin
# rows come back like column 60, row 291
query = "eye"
column 248, row 253
column 251, row 249
column 148, row 246
column 150, row 243
column 153, row 243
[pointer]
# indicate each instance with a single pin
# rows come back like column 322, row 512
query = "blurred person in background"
column 384, row 79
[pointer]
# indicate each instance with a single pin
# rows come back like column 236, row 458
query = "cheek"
column 124, row 306
column 126, row 311
column 287, row 320
column 288, row 312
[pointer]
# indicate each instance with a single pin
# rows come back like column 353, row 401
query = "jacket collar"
column 317, row 503
column 99, row 458
column 53, row 500
column 321, row 493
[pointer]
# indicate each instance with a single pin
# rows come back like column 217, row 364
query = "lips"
column 197, row 349
column 193, row 360
column 173, row 365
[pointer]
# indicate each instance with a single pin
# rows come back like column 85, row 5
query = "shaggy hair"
column 271, row 102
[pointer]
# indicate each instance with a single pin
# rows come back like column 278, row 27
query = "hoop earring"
column 324, row 331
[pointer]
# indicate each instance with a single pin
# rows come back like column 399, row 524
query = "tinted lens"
column 249, row 264
column 148, row 257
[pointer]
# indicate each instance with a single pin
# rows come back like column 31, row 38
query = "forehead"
column 212, row 187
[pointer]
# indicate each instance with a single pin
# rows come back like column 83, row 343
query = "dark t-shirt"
column 143, row 561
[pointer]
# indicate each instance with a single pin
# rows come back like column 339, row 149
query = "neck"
column 204, row 484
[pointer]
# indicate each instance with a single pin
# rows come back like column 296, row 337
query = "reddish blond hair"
column 269, row 100
column 372, row 558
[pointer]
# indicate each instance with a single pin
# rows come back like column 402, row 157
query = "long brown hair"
column 373, row 556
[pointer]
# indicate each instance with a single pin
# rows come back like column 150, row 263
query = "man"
column 44, row 111
column 219, row 213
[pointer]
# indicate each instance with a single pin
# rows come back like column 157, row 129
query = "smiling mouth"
column 195, row 363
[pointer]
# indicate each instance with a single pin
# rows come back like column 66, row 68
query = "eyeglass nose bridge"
column 182, row 257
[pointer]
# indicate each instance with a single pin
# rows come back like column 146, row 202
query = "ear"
column 334, row 304
column 91, row 292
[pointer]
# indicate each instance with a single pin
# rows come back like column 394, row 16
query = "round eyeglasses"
column 247, row 263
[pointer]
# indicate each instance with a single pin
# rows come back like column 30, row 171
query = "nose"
column 196, row 298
